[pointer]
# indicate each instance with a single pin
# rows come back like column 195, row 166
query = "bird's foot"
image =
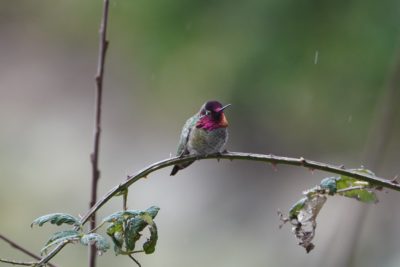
column 219, row 155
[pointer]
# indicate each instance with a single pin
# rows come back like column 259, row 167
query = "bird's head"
column 212, row 116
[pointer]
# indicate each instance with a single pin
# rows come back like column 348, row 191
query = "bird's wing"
column 182, row 147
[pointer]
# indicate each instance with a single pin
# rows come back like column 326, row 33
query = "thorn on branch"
column 106, row 44
column 274, row 166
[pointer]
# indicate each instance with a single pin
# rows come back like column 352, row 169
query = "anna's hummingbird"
column 203, row 134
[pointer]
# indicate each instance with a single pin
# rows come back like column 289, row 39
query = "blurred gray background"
column 165, row 59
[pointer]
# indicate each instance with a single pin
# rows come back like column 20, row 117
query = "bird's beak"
column 224, row 107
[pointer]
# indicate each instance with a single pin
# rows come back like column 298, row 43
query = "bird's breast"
column 203, row 142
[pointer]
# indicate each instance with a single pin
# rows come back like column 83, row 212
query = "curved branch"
column 310, row 164
column 274, row 160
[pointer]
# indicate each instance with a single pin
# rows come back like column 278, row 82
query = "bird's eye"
column 208, row 112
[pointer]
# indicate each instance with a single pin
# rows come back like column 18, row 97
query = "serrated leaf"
column 150, row 245
column 132, row 232
column 153, row 211
column 62, row 234
column 115, row 227
column 56, row 218
column 118, row 249
column 101, row 243
column 147, row 218
column 126, row 226
column 115, row 231
column 60, row 237
column 122, row 215
column 364, row 194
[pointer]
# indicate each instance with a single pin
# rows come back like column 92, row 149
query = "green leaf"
column 115, row 231
column 126, row 226
column 363, row 191
column 121, row 215
column 115, row 227
column 62, row 234
column 57, row 218
column 153, row 211
column 60, row 237
column 363, row 195
column 296, row 208
column 132, row 232
column 150, row 245
column 101, row 243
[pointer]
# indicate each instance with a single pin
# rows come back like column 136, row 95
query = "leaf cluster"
column 125, row 229
column 303, row 214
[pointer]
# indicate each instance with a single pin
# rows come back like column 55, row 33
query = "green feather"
column 190, row 123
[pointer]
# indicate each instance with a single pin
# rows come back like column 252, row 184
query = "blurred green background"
column 306, row 78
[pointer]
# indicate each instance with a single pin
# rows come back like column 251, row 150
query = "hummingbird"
column 204, row 133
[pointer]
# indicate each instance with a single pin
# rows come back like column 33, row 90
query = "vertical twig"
column 18, row 247
column 103, row 45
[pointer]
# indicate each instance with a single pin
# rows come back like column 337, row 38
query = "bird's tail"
column 179, row 167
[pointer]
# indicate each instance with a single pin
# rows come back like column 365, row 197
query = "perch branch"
column 274, row 160
column 103, row 45
column 309, row 164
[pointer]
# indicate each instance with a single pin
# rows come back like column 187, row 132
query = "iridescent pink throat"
column 208, row 124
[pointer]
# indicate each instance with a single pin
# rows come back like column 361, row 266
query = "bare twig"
column 18, row 247
column 103, row 44
column 23, row 263
column 135, row 260
column 44, row 261
column 125, row 200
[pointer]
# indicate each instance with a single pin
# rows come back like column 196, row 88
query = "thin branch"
column 302, row 162
column 44, row 261
column 23, row 250
column 23, row 263
column 309, row 164
column 135, row 260
column 103, row 45
column 351, row 188
column 125, row 200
